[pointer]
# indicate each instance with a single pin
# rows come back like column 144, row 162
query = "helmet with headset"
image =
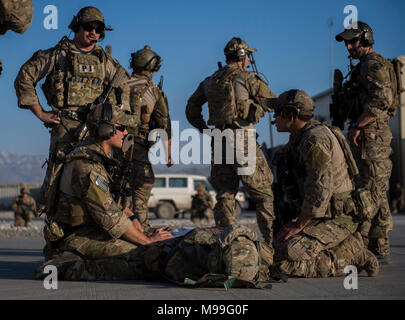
column 359, row 30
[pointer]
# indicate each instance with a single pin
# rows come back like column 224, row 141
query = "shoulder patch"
column 102, row 184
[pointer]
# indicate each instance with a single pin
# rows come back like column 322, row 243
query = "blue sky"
column 292, row 38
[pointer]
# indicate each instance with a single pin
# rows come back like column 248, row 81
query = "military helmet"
column 24, row 190
column 295, row 100
column 102, row 119
column 200, row 187
column 237, row 49
column 359, row 30
column 15, row 15
column 146, row 59
column 85, row 15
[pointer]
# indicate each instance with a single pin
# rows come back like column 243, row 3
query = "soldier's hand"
column 49, row 117
column 287, row 231
column 354, row 135
column 161, row 235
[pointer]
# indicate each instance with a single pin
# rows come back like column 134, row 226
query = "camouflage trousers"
column 306, row 254
column 225, row 180
column 143, row 180
column 375, row 171
column 23, row 219
column 197, row 215
column 92, row 242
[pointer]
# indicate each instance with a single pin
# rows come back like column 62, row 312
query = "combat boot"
column 353, row 252
column 62, row 263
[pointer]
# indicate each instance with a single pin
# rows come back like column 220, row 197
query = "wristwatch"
column 133, row 217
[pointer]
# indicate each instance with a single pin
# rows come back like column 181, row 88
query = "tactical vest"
column 138, row 108
column 220, row 93
column 80, row 82
column 393, row 68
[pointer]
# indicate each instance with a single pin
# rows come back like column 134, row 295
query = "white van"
column 172, row 194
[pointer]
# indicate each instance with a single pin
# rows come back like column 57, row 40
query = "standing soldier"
column 24, row 207
column 77, row 72
column 201, row 205
column 237, row 99
column 15, row 15
column 322, row 239
column 372, row 103
column 149, row 105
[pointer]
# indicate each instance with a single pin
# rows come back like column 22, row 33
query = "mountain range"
column 16, row 168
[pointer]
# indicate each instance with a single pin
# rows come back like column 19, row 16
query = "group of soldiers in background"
column 334, row 195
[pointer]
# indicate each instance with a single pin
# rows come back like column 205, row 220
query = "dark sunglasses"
column 89, row 28
column 352, row 41
column 121, row 128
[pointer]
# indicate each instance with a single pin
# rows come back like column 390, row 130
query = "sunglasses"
column 121, row 128
column 90, row 27
column 352, row 41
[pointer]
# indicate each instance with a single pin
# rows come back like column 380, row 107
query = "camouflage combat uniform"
column 91, row 220
column 201, row 206
column 148, row 104
column 242, row 104
column 73, row 81
column 319, row 169
column 372, row 157
column 24, row 207
column 230, row 257
column 15, row 15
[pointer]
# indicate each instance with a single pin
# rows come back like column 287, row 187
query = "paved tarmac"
column 19, row 257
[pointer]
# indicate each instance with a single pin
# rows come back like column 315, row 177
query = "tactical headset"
column 240, row 53
column 75, row 24
column 366, row 36
column 105, row 129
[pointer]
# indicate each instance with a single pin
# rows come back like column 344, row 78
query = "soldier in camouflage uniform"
column 77, row 72
column 321, row 241
column 201, row 205
column 149, row 105
column 398, row 198
column 87, row 221
column 15, row 15
column 369, row 134
column 237, row 99
column 24, row 207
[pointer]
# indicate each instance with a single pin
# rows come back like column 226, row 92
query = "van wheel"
column 165, row 210
column 238, row 210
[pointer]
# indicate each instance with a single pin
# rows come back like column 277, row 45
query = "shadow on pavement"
column 20, row 252
column 18, row 270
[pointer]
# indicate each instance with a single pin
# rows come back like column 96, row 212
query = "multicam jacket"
column 233, row 96
column 85, row 198
column 319, row 165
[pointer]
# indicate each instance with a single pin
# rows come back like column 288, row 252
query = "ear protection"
column 104, row 128
column 366, row 37
column 240, row 53
column 75, row 24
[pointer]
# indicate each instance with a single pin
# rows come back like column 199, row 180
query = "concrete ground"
column 19, row 257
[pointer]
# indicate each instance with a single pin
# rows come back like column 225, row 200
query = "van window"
column 160, row 183
column 178, row 182
column 204, row 182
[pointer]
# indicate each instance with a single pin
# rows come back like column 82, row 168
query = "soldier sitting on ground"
column 201, row 205
column 87, row 221
column 24, row 207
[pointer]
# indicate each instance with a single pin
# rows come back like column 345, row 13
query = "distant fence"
column 8, row 192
